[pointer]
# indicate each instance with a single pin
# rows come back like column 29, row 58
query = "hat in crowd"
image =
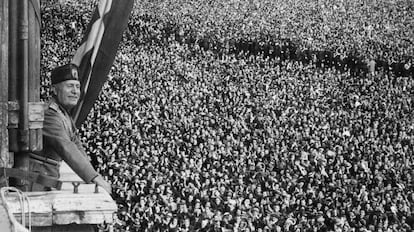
column 64, row 73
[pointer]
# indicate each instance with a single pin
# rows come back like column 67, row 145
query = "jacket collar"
column 53, row 104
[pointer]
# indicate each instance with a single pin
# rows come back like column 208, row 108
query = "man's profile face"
column 68, row 93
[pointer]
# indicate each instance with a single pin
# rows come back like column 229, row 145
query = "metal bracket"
column 13, row 108
column 75, row 187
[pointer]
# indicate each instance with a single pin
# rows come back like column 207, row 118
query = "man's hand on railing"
column 101, row 182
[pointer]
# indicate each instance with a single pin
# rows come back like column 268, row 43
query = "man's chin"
column 70, row 106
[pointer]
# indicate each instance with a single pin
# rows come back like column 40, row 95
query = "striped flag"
column 97, row 51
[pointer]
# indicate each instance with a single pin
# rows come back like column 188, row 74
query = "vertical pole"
column 22, row 158
column 4, row 78
column 34, row 68
column 25, row 135
column 23, row 74
column 13, row 80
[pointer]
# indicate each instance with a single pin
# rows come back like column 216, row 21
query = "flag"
column 97, row 51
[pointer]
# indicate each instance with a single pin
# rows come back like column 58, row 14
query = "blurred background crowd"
column 252, row 115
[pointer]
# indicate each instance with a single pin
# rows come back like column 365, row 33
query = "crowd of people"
column 196, row 139
column 370, row 30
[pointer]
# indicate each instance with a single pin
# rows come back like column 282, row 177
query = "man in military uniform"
column 60, row 138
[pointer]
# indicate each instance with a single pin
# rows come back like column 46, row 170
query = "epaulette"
column 54, row 106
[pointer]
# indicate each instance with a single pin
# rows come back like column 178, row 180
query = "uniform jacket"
column 61, row 142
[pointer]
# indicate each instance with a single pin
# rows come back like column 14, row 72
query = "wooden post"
column 23, row 74
column 35, row 142
column 22, row 64
column 12, row 64
column 29, row 110
column 4, row 78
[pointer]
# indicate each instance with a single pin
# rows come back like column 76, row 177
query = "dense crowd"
column 196, row 139
column 373, row 29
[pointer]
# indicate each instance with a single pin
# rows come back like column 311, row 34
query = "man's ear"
column 53, row 90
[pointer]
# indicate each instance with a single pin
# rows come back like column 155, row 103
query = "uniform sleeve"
column 55, row 136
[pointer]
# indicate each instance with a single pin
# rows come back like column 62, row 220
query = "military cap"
column 64, row 73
